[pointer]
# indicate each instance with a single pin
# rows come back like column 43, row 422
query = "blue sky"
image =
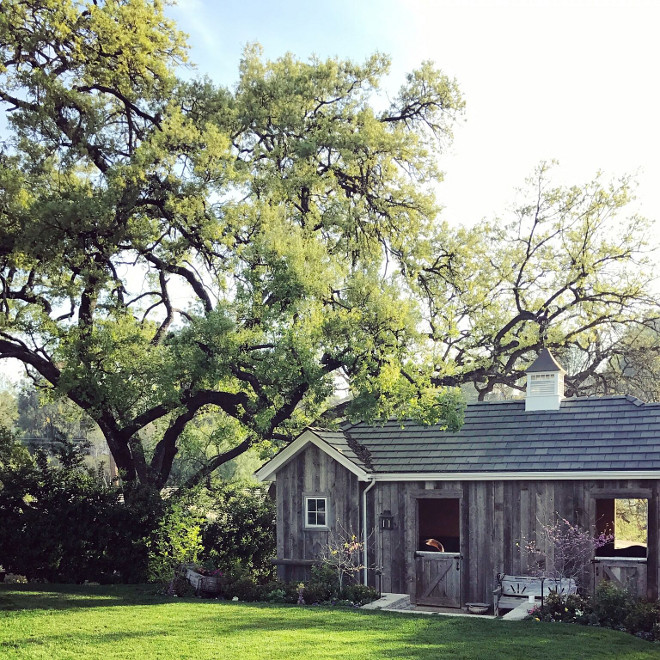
column 573, row 81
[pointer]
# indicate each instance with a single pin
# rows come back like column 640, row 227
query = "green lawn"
column 135, row 622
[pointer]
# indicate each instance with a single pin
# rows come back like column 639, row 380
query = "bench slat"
column 512, row 589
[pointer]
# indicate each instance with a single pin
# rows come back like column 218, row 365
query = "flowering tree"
column 343, row 555
column 564, row 550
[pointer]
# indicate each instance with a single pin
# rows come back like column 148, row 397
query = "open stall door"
column 437, row 559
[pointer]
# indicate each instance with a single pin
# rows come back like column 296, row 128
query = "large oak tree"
column 169, row 248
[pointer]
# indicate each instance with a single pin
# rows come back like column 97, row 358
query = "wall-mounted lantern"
column 386, row 520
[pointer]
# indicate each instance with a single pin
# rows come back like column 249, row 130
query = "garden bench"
column 512, row 590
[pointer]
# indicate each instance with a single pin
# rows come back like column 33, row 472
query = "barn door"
column 438, row 578
column 627, row 574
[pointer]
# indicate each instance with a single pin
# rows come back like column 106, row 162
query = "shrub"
column 60, row 524
column 244, row 589
column 179, row 586
column 240, row 527
column 570, row 609
column 239, row 582
column 643, row 620
column 323, row 586
column 611, row 605
column 175, row 540
column 359, row 594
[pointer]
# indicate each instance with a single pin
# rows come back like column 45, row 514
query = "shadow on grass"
column 14, row 597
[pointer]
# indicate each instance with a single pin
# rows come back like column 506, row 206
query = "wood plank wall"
column 312, row 473
column 497, row 519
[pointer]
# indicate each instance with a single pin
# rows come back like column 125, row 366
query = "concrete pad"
column 388, row 602
column 401, row 603
column 519, row 612
column 440, row 612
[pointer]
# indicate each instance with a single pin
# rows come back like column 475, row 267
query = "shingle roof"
column 585, row 434
column 343, row 444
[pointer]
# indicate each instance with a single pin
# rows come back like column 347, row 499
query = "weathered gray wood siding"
column 497, row 519
column 312, row 473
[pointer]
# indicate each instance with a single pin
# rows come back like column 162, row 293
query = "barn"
column 482, row 492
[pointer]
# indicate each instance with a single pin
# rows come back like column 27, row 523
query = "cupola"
column 545, row 383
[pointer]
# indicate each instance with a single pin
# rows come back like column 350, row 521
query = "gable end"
column 307, row 437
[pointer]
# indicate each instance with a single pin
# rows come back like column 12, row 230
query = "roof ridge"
column 324, row 428
column 606, row 397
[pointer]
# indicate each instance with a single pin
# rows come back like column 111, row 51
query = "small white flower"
column 235, row 598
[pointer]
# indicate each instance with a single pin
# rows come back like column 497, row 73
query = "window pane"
column 630, row 522
column 316, row 511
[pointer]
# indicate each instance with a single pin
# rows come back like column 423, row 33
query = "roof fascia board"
column 517, row 476
column 267, row 472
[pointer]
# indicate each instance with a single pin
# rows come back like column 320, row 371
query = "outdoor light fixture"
column 386, row 520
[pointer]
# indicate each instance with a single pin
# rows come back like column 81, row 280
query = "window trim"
column 306, row 500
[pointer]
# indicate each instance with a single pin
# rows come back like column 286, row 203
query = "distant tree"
column 271, row 209
column 634, row 368
column 569, row 271
column 45, row 422
column 8, row 405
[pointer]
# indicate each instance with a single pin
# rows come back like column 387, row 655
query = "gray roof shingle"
column 606, row 433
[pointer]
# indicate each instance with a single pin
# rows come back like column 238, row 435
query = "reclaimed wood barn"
column 481, row 493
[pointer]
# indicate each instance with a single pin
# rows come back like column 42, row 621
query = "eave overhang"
column 516, row 476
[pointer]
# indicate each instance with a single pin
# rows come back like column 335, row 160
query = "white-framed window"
column 316, row 512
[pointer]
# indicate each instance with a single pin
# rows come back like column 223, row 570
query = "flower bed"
column 609, row 607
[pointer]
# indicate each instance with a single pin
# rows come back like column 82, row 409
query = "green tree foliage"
column 171, row 247
column 631, row 521
column 38, row 417
column 13, row 456
column 568, row 271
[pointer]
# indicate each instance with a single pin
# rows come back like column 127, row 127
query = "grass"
column 125, row 622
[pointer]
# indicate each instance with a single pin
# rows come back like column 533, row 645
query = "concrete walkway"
column 401, row 603
column 519, row 612
column 389, row 602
